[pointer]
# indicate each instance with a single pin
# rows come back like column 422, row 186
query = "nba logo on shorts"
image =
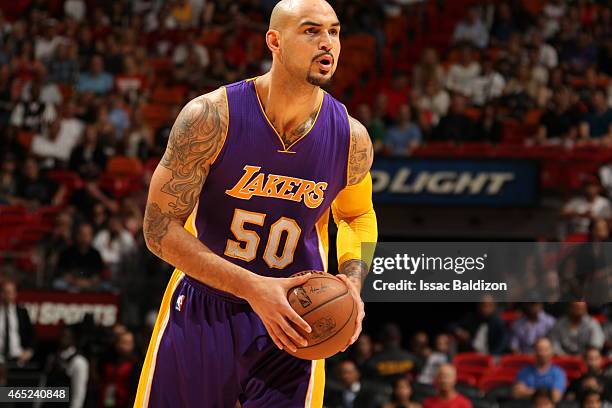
column 179, row 302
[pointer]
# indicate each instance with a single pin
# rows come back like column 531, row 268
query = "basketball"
column 326, row 304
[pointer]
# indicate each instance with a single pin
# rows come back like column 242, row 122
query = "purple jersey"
column 264, row 206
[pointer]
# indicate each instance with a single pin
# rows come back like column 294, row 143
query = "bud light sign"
column 456, row 182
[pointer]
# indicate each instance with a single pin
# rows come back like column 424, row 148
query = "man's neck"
column 447, row 394
column 291, row 107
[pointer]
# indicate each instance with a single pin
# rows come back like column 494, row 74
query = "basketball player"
column 240, row 202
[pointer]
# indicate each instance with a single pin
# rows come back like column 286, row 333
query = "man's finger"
column 297, row 319
column 273, row 336
column 285, row 340
column 298, row 280
column 295, row 336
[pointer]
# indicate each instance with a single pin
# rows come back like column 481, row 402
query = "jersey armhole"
column 350, row 143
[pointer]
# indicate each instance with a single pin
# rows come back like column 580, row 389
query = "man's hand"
column 355, row 293
column 268, row 298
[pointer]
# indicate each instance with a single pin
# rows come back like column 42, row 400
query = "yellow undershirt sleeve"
column 354, row 215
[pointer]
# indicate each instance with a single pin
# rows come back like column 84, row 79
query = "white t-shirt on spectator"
column 548, row 56
column 75, row 9
column 67, row 138
column 488, row 87
column 113, row 249
column 460, row 78
column 599, row 208
column 180, row 54
column 44, row 48
column 436, row 104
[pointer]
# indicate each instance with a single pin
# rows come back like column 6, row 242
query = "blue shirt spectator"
column 472, row 30
column 404, row 136
column 551, row 378
column 534, row 324
column 96, row 80
column 541, row 375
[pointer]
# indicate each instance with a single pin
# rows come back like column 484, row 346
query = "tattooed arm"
column 195, row 140
column 353, row 210
column 354, row 214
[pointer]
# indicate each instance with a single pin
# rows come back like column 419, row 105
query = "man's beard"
column 318, row 81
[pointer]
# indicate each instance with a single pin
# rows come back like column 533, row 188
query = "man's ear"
column 273, row 41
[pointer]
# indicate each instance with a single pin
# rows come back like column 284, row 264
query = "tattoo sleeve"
column 196, row 137
column 361, row 153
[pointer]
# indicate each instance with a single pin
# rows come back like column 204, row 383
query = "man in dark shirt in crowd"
column 34, row 189
column 597, row 124
column 80, row 265
column 593, row 380
column 483, row 331
column 393, row 361
column 456, row 125
column 17, row 334
column 561, row 121
column 351, row 391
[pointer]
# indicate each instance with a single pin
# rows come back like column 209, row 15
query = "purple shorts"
column 211, row 351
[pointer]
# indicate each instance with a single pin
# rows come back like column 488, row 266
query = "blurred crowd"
column 88, row 94
column 538, row 355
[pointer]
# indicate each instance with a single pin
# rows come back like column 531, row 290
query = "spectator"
column 593, row 380
column 32, row 114
column 351, row 392
column 179, row 57
column 405, row 136
column 8, row 180
column 68, row 368
column 489, row 127
column 88, row 157
column 456, row 125
column 444, row 345
column 75, row 9
column 580, row 211
column 489, row 85
column 503, row 25
column 547, row 54
column 119, row 374
column 472, row 30
column 131, row 82
column 35, row 189
column 118, row 117
column 393, row 361
column 80, row 266
column 576, row 331
column 46, row 44
column 541, row 375
column 362, row 352
column 534, row 323
column 375, row 127
column 447, row 396
column 17, row 336
column 428, row 70
column 96, row 80
column 483, row 331
column 430, row 361
column 542, row 399
column 402, row 393
column 57, row 144
column 138, row 140
column 434, row 100
column 461, row 75
column 113, row 244
column 592, row 399
column 597, row 124
column 396, row 94
column 560, row 122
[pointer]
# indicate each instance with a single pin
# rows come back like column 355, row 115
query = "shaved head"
column 304, row 38
column 287, row 10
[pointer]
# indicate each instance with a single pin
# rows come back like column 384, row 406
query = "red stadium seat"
column 516, row 361
column 510, row 316
column 122, row 166
column 473, row 360
column 574, row 364
column 495, row 379
column 467, row 378
column 67, row 178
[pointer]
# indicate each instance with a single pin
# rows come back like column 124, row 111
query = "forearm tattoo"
column 194, row 140
column 354, row 269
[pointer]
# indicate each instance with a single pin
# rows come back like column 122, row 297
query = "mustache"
column 322, row 54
